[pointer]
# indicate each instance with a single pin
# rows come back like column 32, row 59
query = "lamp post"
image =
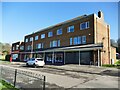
column 32, row 48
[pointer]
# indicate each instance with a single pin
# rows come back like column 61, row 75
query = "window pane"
column 75, row 40
column 31, row 39
column 42, row 36
column 79, row 40
column 54, row 43
column 39, row 45
column 70, row 41
column 83, row 39
column 84, row 25
column 58, row 42
column 21, row 47
column 70, row 29
column 26, row 40
column 50, row 34
column 87, row 24
column 59, row 31
column 42, row 45
column 50, row 44
column 36, row 37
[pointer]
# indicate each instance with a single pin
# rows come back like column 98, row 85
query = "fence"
column 23, row 79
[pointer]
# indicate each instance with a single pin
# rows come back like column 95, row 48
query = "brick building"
column 81, row 40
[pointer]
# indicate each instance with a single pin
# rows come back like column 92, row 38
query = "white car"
column 35, row 62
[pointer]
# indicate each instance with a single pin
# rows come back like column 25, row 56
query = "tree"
column 118, row 49
column 5, row 47
column 113, row 43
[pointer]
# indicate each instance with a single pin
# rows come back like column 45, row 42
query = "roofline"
column 62, row 23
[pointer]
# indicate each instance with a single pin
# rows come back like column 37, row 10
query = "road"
column 71, row 79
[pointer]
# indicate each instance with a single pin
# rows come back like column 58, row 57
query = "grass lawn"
column 6, row 86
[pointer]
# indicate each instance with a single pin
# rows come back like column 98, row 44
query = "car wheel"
column 27, row 64
column 34, row 65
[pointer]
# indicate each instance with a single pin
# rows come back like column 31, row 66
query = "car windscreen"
column 40, row 59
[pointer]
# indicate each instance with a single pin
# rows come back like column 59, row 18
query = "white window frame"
column 83, row 39
column 42, row 36
column 58, row 43
column 75, row 39
column 79, row 40
column 86, row 25
column 59, row 31
column 29, row 47
column 71, row 41
column 31, row 39
column 26, row 40
column 54, row 43
column 13, row 48
column 36, row 37
column 50, row 34
column 17, row 46
column 21, row 47
column 69, row 28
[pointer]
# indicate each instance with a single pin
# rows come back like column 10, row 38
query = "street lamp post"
column 32, row 48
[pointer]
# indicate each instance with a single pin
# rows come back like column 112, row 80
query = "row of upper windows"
column 17, row 46
column 84, row 25
column 56, row 43
column 78, row 40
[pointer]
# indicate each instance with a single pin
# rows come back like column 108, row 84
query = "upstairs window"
column 21, row 47
column 59, row 31
column 79, row 40
column 70, row 29
column 26, row 40
column 39, row 45
column 29, row 47
column 70, row 41
column 55, row 43
column 50, row 34
column 36, row 37
column 58, row 43
column 31, row 39
column 42, row 36
column 75, row 40
column 83, row 39
column 84, row 25
column 13, row 48
column 17, row 46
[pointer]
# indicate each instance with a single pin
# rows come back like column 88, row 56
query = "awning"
column 72, row 48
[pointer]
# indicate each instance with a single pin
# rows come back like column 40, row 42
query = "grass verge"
column 6, row 86
column 4, row 62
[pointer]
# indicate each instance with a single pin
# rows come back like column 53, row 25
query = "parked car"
column 35, row 62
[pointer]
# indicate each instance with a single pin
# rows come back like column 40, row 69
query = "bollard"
column 44, row 83
column 15, row 77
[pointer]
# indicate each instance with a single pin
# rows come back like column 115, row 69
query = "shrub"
column 117, row 63
column 108, row 65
